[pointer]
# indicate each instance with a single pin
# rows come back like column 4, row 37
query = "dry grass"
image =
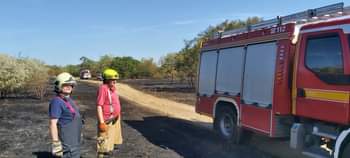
column 176, row 91
column 165, row 106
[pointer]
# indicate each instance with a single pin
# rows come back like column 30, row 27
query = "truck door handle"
column 300, row 92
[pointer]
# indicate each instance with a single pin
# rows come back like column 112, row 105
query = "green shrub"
column 24, row 76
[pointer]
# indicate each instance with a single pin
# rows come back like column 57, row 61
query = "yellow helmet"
column 64, row 78
column 110, row 74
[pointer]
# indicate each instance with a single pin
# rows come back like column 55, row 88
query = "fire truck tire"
column 225, row 124
column 346, row 151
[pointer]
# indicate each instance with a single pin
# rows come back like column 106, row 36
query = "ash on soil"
column 24, row 132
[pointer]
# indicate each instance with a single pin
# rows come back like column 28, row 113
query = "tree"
column 147, row 68
column 72, row 69
column 126, row 66
column 54, row 70
column 187, row 62
column 12, row 74
column 168, row 66
column 105, row 62
column 22, row 75
column 37, row 78
column 183, row 65
column 87, row 63
column 227, row 25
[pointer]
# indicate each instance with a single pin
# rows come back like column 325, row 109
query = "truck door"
column 206, row 81
column 322, row 80
column 258, row 84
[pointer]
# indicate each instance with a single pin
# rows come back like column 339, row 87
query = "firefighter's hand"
column 56, row 149
column 103, row 127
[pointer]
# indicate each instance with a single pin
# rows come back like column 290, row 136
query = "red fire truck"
column 284, row 77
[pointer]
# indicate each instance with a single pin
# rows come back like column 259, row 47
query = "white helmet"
column 64, row 78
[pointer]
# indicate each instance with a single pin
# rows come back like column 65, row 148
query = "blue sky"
column 60, row 32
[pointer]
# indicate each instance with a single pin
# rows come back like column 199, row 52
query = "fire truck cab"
column 284, row 77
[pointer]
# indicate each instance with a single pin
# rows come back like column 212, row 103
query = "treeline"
column 22, row 76
column 181, row 65
column 127, row 67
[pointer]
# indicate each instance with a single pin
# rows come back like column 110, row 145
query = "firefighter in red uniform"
column 108, row 114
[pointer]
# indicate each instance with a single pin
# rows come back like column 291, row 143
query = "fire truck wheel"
column 346, row 151
column 226, row 124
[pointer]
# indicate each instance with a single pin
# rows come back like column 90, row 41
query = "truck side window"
column 324, row 55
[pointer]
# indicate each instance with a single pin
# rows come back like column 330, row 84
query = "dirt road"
column 24, row 132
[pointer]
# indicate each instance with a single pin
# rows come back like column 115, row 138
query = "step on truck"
column 285, row 77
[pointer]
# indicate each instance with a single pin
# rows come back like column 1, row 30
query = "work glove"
column 101, row 142
column 56, row 149
column 102, row 127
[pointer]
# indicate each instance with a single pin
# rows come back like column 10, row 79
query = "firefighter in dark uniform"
column 65, row 119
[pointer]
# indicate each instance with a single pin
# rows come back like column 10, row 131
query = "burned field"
column 24, row 132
